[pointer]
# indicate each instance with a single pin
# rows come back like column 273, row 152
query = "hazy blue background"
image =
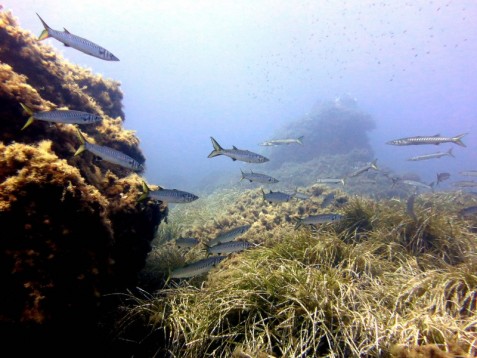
column 240, row 70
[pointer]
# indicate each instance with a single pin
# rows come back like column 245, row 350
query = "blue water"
column 241, row 70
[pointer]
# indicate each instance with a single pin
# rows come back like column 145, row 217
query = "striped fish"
column 60, row 116
column 108, row 154
column 418, row 184
column 331, row 181
column 76, row 42
column 276, row 196
column 166, row 195
column 359, row 171
column 186, row 242
column 229, row 235
column 436, row 139
column 432, row 155
column 236, row 154
column 197, row 268
column 258, row 177
column 314, row 220
column 229, row 247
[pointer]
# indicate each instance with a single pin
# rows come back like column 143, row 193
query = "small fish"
column 314, row 220
column 229, row 235
column 433, row 155
column 76, row 42
column 258, row 177
column 469, row 173
column 197, row 268
column 276, row 197
column 301, row 196
column 327, row 200
column 60, row 116
column 186, row 242
column 166, row 195
column 436, row 139
column 286, row 141
column 359, row 171
column 418, row 184
column 410, row 207
column 471, row 210
column 109, row 154
column 441, row 177
column 331, row 181
column 465, row 183
column 236, row 154
column 229, row 247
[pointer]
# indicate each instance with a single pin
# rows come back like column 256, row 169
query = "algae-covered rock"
column 72, row 232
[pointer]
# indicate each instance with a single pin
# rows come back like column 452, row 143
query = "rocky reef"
column 72, row 231
column 331, row 128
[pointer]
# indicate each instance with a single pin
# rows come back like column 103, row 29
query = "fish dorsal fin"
column 66, row 31
column 234, row 147
column 437, row 135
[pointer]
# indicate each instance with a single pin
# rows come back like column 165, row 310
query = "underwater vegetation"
column 72, row 230
column 377, row 283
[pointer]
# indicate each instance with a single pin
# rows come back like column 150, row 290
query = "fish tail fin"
column 145, row 193
column 300, row 139
column 299, row 222
column 457, row 140
column 243, row 176
column 432, row 185
column 82, row 139
column 374, row 165
column 450, row 152
column 30, row 113
column 44, row 34
column 217, row 149
column 343, row 180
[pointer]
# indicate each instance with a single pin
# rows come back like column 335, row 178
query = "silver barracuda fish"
column 286, row 141
column 229, row 235
column 418, row 184
column 314, row 220
column 76, row 42
column 258, row 177
column 166, row 195
column 236, row 154
column 108, row 154
column 229, row 247
column 186, row 242
column 60, row 116
column 331, row 181
column 465, row 183
column 197, row 268
column 359, row 171
column 433, row 155
column 276, row 196
column 469, row 173
column 436, row 139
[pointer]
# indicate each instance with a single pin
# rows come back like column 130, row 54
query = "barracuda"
column 167, row 195
column 236, row 154
column 197, row 268
column 60, row 116
column 371, row 165
column 229, row 235
column 433, row 155
column 229, row 247
column 258, row 177
column 76, row 42
column 436, row 139
column 314, row 220
column 108, row 154
column 286, row 141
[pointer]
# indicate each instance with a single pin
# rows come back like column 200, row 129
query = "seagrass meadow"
column 379, row 283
